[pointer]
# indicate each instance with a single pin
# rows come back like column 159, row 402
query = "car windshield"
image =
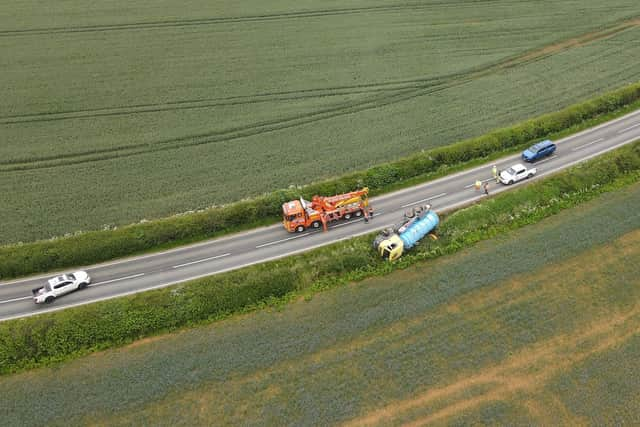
column 71, row 276
column 511, row 171
column 47, row 287
column 533, row 149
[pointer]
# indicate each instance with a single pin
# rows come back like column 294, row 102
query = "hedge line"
column 97, row 246
column 57, row 336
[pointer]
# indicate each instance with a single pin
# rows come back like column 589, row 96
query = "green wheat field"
column 538, row 327
column 115, row 112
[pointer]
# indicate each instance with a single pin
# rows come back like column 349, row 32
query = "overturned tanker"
column 392, row 242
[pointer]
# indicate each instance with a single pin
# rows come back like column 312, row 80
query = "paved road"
column 156, row 270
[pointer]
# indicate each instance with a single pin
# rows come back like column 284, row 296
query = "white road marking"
column 424, row 200
column 587, row 144
column 281, row 240
column 201, row 260
column 342, row 224
column 14, row 299
column 629, row 128
column 483, row 180
column 539, row 162
column 117, row 280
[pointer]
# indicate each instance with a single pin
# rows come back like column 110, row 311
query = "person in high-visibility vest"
column 478, row 184
column 494, row 170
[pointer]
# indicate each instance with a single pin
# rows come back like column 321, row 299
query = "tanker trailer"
column 392, row 242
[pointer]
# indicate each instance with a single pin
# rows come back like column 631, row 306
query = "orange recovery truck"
column 298, row 215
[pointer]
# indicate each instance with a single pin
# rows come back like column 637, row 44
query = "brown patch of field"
column 547, row 410
column 528, row 371
column 148, row 340
column 575, row 42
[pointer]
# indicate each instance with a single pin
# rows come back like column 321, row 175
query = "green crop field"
column 540, row 326
column 120, row 111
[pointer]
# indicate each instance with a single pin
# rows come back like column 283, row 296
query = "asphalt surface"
column 137, row 274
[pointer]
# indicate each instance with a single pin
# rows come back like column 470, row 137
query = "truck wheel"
column 300, row 229
column 83, row 285
column 316, row 224
column 49, row 300
column 347, row 216
column 358, row 214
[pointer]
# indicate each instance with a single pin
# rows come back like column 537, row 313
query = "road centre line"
column 539, row 162
column 281, row 240
column 118, row 279
column 587, row 144
column 629, row 128
column 484, row 180
column 424, row 200
column 15, row 299
column 201, row 260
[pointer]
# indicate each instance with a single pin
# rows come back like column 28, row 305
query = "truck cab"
column 391, row 248
column 298, row 216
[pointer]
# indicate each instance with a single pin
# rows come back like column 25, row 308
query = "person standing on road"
column 486, row 188
column 494, row 170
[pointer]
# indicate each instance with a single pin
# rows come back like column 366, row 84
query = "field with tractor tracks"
column 113, row 112
column 540, row 326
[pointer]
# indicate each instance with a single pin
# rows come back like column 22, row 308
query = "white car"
column 61, row 285
column 516, row 173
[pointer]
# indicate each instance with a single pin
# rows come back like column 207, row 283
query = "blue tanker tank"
column 392, row 242
column 416, row 230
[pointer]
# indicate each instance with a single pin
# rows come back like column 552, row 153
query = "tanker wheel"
column 358, row 214
column 347, row 216
column 316, row 224
column 300, row 228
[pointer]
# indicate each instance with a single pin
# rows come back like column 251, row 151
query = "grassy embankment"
column 536, row 326
column 63, row 335
column 134, row 109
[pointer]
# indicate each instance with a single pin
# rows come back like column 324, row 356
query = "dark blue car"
column 538, row 151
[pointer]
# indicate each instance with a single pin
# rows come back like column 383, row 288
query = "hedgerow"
column 51, row 337
column 97, row 246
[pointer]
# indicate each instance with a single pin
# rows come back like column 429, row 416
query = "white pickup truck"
column 61, row 285
column 516, row 173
